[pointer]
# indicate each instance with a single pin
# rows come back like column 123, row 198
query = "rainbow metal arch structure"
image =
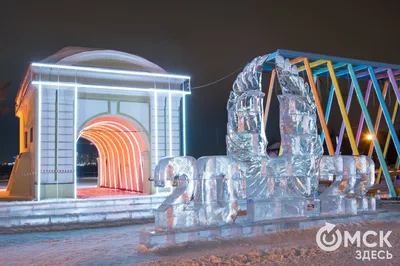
column 335, row 68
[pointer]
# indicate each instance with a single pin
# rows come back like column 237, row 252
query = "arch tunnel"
column 120, row 145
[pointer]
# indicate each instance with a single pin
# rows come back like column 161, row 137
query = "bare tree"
column 3, row 91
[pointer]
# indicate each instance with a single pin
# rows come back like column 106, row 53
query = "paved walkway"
column 120, row 246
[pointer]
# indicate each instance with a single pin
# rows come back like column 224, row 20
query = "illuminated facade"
column 132, row 110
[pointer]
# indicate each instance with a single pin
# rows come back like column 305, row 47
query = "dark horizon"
column 205, row 41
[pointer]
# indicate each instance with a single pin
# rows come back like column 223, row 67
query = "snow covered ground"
column 120, row 246
column 292, row 247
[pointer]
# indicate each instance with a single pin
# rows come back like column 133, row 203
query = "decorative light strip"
column 76, row 87
column 39, row 133
column 341, row 134
column 170, row 126
column 370, row 126
column 110, row 71
column 106, row 139
column 184, row 124
column 118, row 151
column 123, row 155
column 133, row 150
column 327, row 110
column 66, row 84
column 114, row 155
column 156, row 127
column 385, row 110
column 170, row 123
column 361, row 121
column 140, row 156
column 75, row 133
column 119, row 126
column 342, row 108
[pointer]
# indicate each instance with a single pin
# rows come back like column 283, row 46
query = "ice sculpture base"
column 267, row 209
column 176, row 215
column 350, row 206
column 333, row 205
column 195, row 214
column 366, row 204
column 159, row 237
column 217, row 213
column 342, row 205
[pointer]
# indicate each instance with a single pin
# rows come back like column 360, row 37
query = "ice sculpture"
column 176, row 210
column 245, row 141
column 365, row 174
column 208, row 190
column 290, row 180
column 341, row 171
column 221, row 188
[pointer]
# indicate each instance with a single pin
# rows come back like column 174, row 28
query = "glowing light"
column 155, row 90
column 110, row 153
column 156, row 123
column 156, row 128
column 369, row 137
column 99, row 168
column 184, row 124
column 65, row 84
column 170, row 126
column 113, row 156
column 106, row 125
column 170, row 123
column 75, row 133
column 112, row 148
column 110, row 71
column 133, row 151
column 134, row 156
column 110, row 163
column 102, row 140
column 123, row 157
column 39, row 133
column 118, row 155
column 110, row 124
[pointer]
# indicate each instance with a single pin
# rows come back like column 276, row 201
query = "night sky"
column 206, row 40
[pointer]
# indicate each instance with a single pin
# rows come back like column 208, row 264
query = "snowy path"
column 291, row 247
column 103, row 246
column 119, row 246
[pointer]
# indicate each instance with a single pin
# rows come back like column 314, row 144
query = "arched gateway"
column 129, row 108
column 123, row 149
